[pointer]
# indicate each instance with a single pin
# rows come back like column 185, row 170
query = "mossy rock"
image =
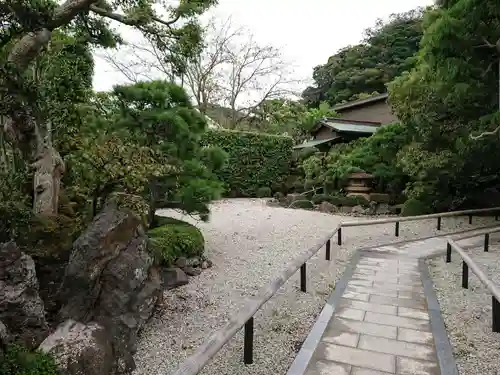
column 264, row 192
column 175, row 240
column 414, row 207
column 303, row 203
column 18, row 360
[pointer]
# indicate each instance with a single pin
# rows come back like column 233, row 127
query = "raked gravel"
column 467, row 312
column 249, row 244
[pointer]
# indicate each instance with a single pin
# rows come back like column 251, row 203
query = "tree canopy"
column 366, row 68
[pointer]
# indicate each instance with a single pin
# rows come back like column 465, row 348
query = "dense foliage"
column 375, row 155
column 19, row 361
column 254, row 160
column 451, row 94
column 176, row 239
column 361, row 70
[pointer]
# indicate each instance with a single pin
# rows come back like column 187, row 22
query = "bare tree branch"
column 486, row 134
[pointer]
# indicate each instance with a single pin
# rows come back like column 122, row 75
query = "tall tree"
column 366, row 68
column 27, row 30
column 451, row 93
column 231, row 76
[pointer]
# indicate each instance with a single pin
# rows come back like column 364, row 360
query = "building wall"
column 378, row 112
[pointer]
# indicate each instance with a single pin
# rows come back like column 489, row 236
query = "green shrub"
column 264, row 192
column 354, row 201
column 164, row 220
column 175, row 240
column 380, row 198
column 254, row 159
column 414, row 207
column 19, row 361
column 279, row 196
column 303, row 203
column 320, row 198
column 298, row 186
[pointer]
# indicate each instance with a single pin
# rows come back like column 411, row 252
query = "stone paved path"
column 381, row 323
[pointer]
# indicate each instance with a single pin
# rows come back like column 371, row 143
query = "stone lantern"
column 359, row 184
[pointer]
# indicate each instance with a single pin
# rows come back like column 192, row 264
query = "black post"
column 470, row 219
column 339, row 236
column 303, row 286
column 495, row 326
column 396, row 230
column 496, row 217
column 465, row 275
column 486, row 241
column 328, row 255
column 248, row 342
column 448, row 253
column 439, row 223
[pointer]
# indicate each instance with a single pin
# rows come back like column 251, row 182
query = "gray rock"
column 358, row 210
column 273, row 203
column 80, row 349
column 328, row 207
column 21, row 308
column 290, row 198
column 383, row 209
column 193, row 262
column 372, row 209
column 4, row 335
column 111, row 279
column 346, row 209
column 181, row 262
column 191, row 271
column 174, row 278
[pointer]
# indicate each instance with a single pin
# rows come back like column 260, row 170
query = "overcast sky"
column 307, row 31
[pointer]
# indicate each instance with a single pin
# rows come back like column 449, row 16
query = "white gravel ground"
column 249, row 243
column 467, row 312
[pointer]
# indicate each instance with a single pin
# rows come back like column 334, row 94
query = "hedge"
column 174, row 240
column 255, row 160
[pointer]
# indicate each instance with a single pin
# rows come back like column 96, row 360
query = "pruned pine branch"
column 486, row 134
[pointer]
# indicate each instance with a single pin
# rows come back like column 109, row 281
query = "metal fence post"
column 486, row 241
column 470, row 219
column 248, row 342
column 303, row 281
column 495, row 307
column 328, row 253
column 339, row 236
column 448, row 253
column 439, row 223
column 496, row 217
column 396, row 230
column 465, row 275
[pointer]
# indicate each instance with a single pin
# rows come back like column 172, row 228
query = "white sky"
column 307, row 31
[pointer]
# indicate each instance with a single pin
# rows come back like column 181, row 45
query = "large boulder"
column 21, row 308
column 80, row 349
column 111, row 279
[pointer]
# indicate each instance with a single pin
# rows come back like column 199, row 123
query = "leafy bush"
column 303, row 203
column 380, row 198
column 174, row 240
column 354, row 201
column 254, row 160
column 414, row 207
column 320, row 198
column 18, row 360
column 264, row 192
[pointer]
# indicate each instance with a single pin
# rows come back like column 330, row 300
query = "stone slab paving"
column 380, row 324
